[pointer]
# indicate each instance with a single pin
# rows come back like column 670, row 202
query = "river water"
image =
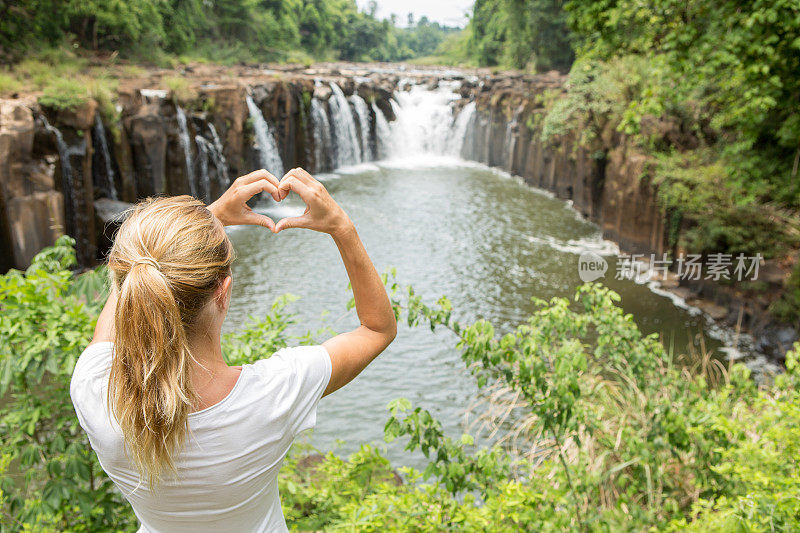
column 450, row 227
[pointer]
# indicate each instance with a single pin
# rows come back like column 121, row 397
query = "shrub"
column 64, row 93
column 181, row 89
column 594, row 426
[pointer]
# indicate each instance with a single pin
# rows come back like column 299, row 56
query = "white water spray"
column 183, row 130
column 100, row 135
column 270, row 158
column 321, row 129
column 348, row 151
column 362, row 112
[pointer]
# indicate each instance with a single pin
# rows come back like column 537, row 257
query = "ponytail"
column 166, row 262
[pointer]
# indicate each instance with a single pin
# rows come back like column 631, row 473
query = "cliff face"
column 607, row 182
column 56, row 165
column 604, row 182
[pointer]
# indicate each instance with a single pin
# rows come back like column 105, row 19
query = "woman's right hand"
column 322, row 213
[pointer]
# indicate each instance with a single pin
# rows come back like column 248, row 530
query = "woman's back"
column 227, row 473
column 193, row 444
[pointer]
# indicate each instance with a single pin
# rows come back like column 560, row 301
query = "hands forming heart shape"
column 322, row 213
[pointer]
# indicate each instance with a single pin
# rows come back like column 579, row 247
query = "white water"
column 348, row 151
column 269, row 155
column 219, row 158
column 424, row 120
column 66, row 167
column 458, row 136
column 362, row 112
column 321, row 127
column 183, row 130
column 205, row 148
column 382, row 133
column 100, row 134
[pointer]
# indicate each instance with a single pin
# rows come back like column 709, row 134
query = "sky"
column 450, row 12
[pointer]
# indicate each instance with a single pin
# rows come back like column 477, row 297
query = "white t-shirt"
column 228, row 470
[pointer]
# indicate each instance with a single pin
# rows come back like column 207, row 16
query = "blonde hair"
column 167, row 260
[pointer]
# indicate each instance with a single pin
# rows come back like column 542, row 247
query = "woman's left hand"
column 231, row 208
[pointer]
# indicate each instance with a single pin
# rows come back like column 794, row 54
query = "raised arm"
column 350, row 352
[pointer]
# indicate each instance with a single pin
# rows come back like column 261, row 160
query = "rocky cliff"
column 57, row 164
column 606, row 181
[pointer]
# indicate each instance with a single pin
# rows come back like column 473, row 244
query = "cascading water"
column 321, row 128
column 66, row 176
column 270, row 157
column 424, row 123
column 100, row 137
column 205, row 149
column 382, row 133
column 345, row 138
column 183, row 129
column 458, row 136
column 219, row 158
column 362, row 112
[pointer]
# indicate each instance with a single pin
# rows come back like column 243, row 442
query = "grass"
column 9, row 84
column 180, row 88
column 64, row 93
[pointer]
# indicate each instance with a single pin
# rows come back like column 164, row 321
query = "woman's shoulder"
column 94, row 360
column 292, row 359
column 91, row 372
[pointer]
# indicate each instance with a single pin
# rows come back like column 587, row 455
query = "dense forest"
column 221, row 31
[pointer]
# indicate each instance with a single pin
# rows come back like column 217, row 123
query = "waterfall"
column 100, row 136
column 219, row 158
column 424, row 120
column 362, row 112
column 321, row 128
column 205, row 149
column 270, row 157
column 458, row 136
column 345, row 138
column 183, row 130
column 508, row 142
column 71, row 209
column 382, row 133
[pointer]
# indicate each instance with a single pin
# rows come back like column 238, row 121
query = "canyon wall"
column 605, row 182
column 73, row 171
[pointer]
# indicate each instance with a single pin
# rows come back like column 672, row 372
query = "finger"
column 302, row 175
column 260, row 174
column 292, row 222
column 256, row 219
column 294, row 184
column 250, row 190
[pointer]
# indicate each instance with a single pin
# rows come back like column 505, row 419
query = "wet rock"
column 31, row 210
column 148, row 142
column 79, row 118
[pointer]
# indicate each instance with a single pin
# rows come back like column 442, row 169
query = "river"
column 450, row 227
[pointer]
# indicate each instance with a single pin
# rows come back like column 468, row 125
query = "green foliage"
column 64, row 93
column 223, row 31
column 47, row 319
column 608, row 433
column 523, row 34
column 180, row 89
column 9, row 84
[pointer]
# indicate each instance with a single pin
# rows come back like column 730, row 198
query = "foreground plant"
column 591, row 426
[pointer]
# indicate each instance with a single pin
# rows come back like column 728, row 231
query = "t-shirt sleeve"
column 310, row 369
